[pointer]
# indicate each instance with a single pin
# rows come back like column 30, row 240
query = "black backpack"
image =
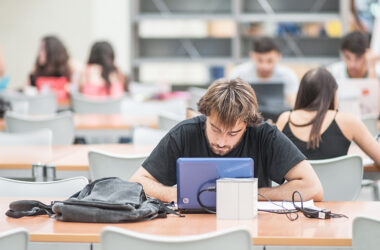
column 106, row 200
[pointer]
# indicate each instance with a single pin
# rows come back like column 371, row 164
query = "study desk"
column 69, row 160
column 106, row 128
column 108, row 121
column 266, row 229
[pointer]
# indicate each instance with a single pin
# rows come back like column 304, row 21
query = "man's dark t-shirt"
column 272, row 152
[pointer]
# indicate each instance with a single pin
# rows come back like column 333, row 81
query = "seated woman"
column 52, row 67
column 101, row 77
column 317, row 128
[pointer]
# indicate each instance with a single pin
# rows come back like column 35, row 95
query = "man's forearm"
column 157, row 190
column 285, row 191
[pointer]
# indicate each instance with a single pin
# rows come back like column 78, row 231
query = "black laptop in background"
column 271, row 99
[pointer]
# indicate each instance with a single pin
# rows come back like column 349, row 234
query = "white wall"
column 77, row 22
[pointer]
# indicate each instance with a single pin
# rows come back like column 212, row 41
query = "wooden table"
column 77, row 160
column 266, row 229
column 17, row 161
column 107, row 122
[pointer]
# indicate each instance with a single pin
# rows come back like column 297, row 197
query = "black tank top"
column 333, row 143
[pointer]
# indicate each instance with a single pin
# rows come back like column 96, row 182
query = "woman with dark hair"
column 317, row 128
column 52, row 60
column 101, row 77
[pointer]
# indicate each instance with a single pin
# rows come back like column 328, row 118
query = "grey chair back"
column 103, row 164
column 365, row 233
column 61, row 125
column 86, row 105
column 233, row 238
column 34, row 105
column 61, row 188
column 15, row 239
column 341, row 177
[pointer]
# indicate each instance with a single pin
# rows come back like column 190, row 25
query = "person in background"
column 317, row 128
column 358, row 60
column 101, row 77
column 52, row 60
column 230, row 126
column 264, row 67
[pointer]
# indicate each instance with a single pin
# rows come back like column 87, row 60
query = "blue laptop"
column 197, row 174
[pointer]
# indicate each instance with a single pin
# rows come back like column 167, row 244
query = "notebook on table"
column 197, row 174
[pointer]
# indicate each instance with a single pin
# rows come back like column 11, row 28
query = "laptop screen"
column 269, row 93
column 196, row 174
column 359, row 96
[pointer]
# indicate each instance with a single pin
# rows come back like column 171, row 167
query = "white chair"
column 113, row 238
column 365, row 233
column 15, row 239
column 85, row 105
column 147, row 136
column 61, row 188
column 35, row 104
column 167, row 120
column 103, row 164
column 61, row 124
column 341, row 177
column 43, row 137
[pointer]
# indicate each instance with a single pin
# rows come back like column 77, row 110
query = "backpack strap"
column 21, row 208
column 164, row 209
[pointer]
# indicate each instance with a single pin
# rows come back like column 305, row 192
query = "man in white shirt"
column 264, row 67
column 358, row 60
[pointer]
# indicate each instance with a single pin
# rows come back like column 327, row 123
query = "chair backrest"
column 370, row 121
column 341, row 177
column 103, row 164
column 61, row 188
column 15, row 239
column 43, row 137
column 365, row 233
column 167, row 121
column 36, row 105
column 61, row 124
column 233, row 238
column 85, row 105
column 147, row 136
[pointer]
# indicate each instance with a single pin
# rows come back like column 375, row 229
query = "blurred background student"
column 264, row 66
column 317, row 128
column 52, row 60
column 359, row 61
column 101, row 77
column 52, row 71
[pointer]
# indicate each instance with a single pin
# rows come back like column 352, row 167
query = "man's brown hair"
column 232, row 100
